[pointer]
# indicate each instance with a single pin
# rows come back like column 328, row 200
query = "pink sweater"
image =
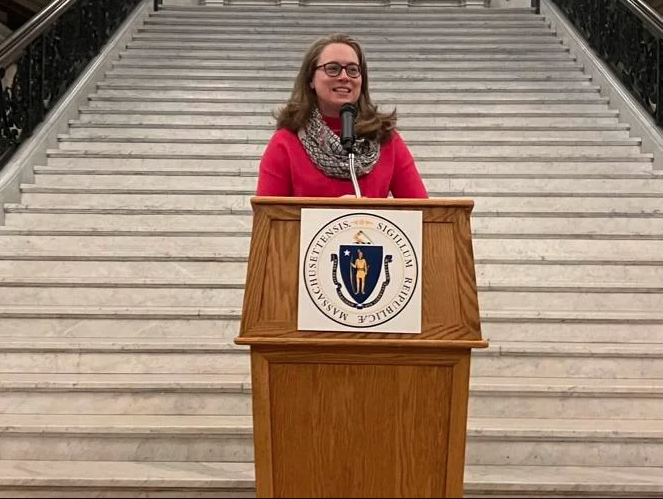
column 286, row 170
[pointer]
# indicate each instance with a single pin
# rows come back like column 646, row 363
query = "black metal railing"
column 627, row 35
column 40, row 61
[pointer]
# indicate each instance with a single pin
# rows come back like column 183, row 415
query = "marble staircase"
column 122, row 267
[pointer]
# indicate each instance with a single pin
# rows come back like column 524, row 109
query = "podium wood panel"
column 388, row 424
column 359, row 414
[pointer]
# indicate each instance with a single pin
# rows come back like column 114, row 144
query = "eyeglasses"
column 334, row 68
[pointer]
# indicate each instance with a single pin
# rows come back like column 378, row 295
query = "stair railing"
column 41, row 59
column 627, row 35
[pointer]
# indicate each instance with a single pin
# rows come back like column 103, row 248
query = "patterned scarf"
column 324, row 148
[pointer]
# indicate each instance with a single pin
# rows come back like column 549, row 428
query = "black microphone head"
column 348, row 114
column 348, row 108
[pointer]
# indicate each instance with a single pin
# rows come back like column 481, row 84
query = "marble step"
column 141, row 355
column 117, row 184
column 526, row 147
column 395, row 85
column 509, row 327
column 229, row 438
column 564, row 442
column 230, row 394
column 565, row 398
column 516, row 105
column 126, row 479
column 213, row 479
column 412, row 126
column 168, row 203
column 378, row 78
column 400, row 22
column 364, row 34
column 231, row 294
column 126, row 437
column 58, row 223
column 284, row 58
column 216, row 295
column 109, row 163
column 28, row 322
column 310, row 16
column 405, row 121
column 422, row 133
column 488, row 247
column 172, row 273
column 24, row 326
column 373, row 12
column 579, row 360
column 489, row 275
column 399, row 95
column 189, row 394
column 526, row 300
column 371, row 45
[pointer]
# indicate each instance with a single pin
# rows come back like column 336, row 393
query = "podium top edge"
column 364, row 202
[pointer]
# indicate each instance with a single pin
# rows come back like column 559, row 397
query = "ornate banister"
column 627, row 35
column 41, row 59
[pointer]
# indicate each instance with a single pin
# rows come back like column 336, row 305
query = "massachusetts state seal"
column 360, row 270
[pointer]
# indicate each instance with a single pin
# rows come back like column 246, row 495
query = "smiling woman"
column 305, row 157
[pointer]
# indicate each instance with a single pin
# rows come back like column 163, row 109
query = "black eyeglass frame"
column 341, row 68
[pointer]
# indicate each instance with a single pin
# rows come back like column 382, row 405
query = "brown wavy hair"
column 369, row 122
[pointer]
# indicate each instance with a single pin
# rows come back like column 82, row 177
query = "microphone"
column 348, row 115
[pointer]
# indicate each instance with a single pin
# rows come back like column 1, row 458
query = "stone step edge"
column 555, row 61
column 206, row 344
column 458, row 46
column 476, row 234
column 294, row 19
column 641, row 157
column 193, row 283
column 354, row 10
column 601, row 127
column 25, row 476
column 498, row 78
column 119, row 345
column 505, row 429
column 360, row 26
column 64, row 257
column 525, row 141
column 29, row 209
column 46, row 171
column 368, row 34
column 152, row 99
column 607, row 113
column 241, row 383
column 506, row 89
column 102, row 476
column 40, row 189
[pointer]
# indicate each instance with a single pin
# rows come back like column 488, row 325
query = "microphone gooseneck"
column 348, row 114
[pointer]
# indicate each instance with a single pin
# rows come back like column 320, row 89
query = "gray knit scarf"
column 324, row 148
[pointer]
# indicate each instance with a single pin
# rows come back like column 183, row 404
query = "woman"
column 305, row 158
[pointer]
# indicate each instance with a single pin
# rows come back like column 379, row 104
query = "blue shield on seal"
column 360, row 269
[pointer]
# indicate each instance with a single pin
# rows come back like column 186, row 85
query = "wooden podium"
column 357, row 414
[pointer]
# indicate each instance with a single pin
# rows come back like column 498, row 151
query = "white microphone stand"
column 353, row 174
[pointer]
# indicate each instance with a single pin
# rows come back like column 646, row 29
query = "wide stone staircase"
column 122, row 267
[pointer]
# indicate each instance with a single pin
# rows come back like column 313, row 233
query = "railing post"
column 659, row 79
column 536, row 5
